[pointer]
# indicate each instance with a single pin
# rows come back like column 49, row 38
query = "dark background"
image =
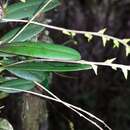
column 106, row 95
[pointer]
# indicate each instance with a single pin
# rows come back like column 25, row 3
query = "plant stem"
column 30, row 21
column 6, row 89
column 68, row 30
column 72, row 106
column 113, row 65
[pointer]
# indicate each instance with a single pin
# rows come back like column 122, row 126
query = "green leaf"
column 27, row 34
column 3, row 95
column 29, row 75
column 1, row 69
column 48, row 67
column 5, row 55
column 43, row 77
column 3, row 79
column 21, row 10
column 5, row 125
column 16, row 84
column 47, row 81
column 41, row 50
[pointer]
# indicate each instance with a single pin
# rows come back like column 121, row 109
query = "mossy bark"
column 27, row 112
column 33, row 112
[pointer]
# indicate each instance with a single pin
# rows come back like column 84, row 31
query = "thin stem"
column 50, row 98
column 30, row 21
column 72, row 106
column 113, row 65
column 68, row 30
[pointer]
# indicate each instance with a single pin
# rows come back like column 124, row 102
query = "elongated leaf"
column 41, row 50
column 5, row 55
column 43, row 77
column 48, row 67
column 27, row 34
column 3, row 79
column 21, row 10
column 29, row 75
column 17, row 84
column 46, row 83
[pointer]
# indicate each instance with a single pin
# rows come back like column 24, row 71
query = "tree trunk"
column 27, row 112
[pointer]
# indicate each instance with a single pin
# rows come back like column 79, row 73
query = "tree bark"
column 27, row 112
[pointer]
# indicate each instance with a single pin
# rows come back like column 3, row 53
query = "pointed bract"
column 66, row 32
column 116, row 43
column 126, row 40
column 125, row 72
column 114, row 68
column 104, row 41
column 89, row 36
column 127, row 50
column 95, row 67
column 109, row 61
column 73, row 34
column 102, row 31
